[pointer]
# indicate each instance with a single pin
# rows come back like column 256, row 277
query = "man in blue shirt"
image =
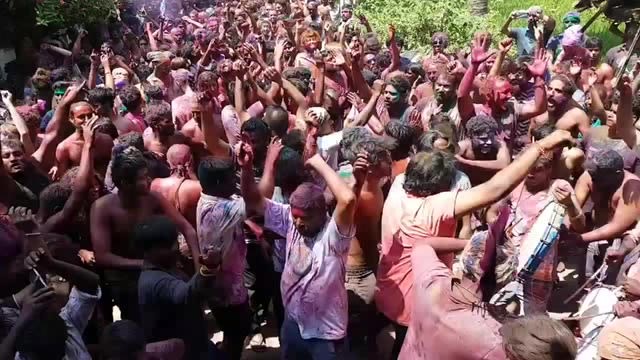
column 525, row 37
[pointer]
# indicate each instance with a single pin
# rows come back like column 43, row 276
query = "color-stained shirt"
column 442, row 327
column 405, row 218
column 219, row 222
column 312, row 286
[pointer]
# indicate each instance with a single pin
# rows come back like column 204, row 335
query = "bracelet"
column 207, row 272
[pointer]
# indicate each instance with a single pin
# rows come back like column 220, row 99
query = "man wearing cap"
column 553, row 47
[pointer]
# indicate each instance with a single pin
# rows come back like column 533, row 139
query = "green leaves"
column 418, row 20
column 67, row 13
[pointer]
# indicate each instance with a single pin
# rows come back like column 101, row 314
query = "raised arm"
column 19, row 122
column 44, row 156
column 192, row 22
column 503, row 49
column 212, row 130
column 537, row 70
column 370, row 108
column 240, row 70
column 267, row 182
column 506, row 179
column 81, row 186
column 505, row 27
column 465, row 103
column 356, row 72
column 291, row 90
column 253, row 199
column 319, row 83
column 153, row 43
column 395, row 53
column 93, row 70
column 346, row 197
column 624, row 123
column 108, row 77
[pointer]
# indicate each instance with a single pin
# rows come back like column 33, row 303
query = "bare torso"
column 182, row 193
column 364, row 246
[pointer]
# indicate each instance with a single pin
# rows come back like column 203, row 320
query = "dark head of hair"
column 217, row 176
column 130, row 97
column 404, row 135
column 301, row 85
column 542, row 132
column 12, row 144
column 155, row 232
column 126, row 166
column 133, row 139
column 593, row 43
column 44, row 337
column 369, row 77
column 605, row 161
column 417, row 70
column 350, row 140
column 143, row 71
column 400, row 83
column 154, row 92
column 376, row 148
column 481, row 125
column 428, row 139
column 383, row 59
column 122, row 340
column 53, row 198
column 538, row 337
column 257, row 127
column 294, row 139
column 205, row 80
column 429, row 173
column 278, row 120
column 105, row 126
column 399, row 41
column 101, row 96
column 60, row 74
column 290, row 171
column 569, row 86
column 300, row 73
column 157, row 113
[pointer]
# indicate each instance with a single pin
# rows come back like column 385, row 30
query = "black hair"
column 126, row 166
column 60, row 74
column 290, row 171
column 44, row 337
column 295, row 140
column 399, row 41
column 130, row 97
column 258, row 127
column 156, row 113
column 299, row 73
column 404, row 135
column 155, row 232
column 277, row 119
column 416, row 69
column 569, row 86
column 301, row 85
column 143, row 71
column 53, row 198
column 383, row 59
column 480, row 125
column 593, row 43
column 376, row 148
column 217, row 176
column 133, row 139
column 154, row 92
column 349, row 145
column 105, row 126
column 206, row 79
column 542, row 132
column 429, row 173
column 428, row 139
column 605, row 161
column 400, row 83
column 369, row 76
column 102, row 96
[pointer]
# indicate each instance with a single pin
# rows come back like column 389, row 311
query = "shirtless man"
column 182, row 188
column 482, row 154
column 562, row 110
column 614, row 193
column 69, row 151
column 161, row 133
column 192, row 128
column 114, row 216
column 362, row 260
column 499, row 103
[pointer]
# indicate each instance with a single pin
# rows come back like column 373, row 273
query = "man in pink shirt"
column 425, row 208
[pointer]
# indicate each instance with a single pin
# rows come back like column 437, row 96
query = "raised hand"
column 272, row 74
column 505, row 45
column 36, row 301
column 575, row 68
column 539, row 66
column 556, row 139
column 361, row 167
column 378, row 87
column 478, row 52
column 593, row 77
column 392, row 32
column 245, row 154
column 415, row 119
column 39, row 258
column 95, row 57
column 87, row 257
column 273, row 151
column 354, row 99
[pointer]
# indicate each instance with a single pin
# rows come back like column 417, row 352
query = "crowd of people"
column 277, row 163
